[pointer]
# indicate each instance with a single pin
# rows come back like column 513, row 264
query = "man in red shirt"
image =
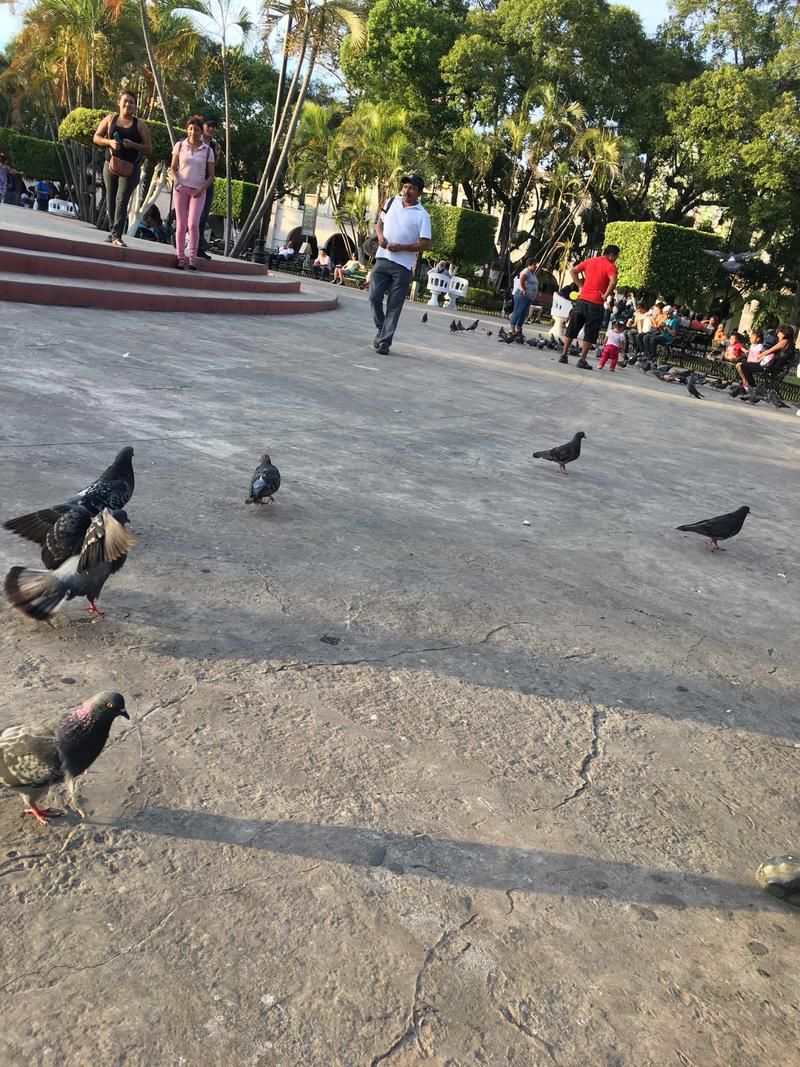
column 599, row 279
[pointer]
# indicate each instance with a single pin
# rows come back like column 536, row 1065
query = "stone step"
column 90, row 242
column 57, row 265
column 82, row 292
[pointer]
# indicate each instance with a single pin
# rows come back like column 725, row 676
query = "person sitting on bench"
column 778, row 355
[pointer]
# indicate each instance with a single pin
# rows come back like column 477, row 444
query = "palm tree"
column 378, row 145
column 316, row 159
column 309, row 27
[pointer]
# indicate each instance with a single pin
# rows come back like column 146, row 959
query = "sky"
column 652, row 11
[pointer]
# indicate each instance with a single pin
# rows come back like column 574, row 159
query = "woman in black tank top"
column 126, row 139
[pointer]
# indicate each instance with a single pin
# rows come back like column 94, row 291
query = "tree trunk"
column 265, row 210
column 151, row 59
column 268, row 172
column 228, row 186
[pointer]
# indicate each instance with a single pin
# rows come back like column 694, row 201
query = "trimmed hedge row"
column 660, row 259
column 462, row 236
column 36, row 158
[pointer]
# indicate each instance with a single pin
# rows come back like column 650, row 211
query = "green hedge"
column 243, row 193
column 35, row 157
column 664, row 260
column 484, row 298
column 79, row 125
column 462, row 236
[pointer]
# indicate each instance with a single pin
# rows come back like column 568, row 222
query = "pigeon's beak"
column 122, row 711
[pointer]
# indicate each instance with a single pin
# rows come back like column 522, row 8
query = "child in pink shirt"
column 615, row 339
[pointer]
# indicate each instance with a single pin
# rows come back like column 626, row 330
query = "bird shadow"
column 465, row 863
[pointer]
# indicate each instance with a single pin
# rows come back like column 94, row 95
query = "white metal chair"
column 457, row 287
column 437, row 285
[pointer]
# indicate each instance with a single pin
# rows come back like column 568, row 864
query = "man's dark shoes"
column 584, row 365
column 382, row 349
column 376, row 344
column 203, row 255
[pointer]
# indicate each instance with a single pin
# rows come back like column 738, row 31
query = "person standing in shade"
column 403, row 229
column 192, row 172
column 599, row 279
column 126, row 139
column 209, row 129
column 526, row 289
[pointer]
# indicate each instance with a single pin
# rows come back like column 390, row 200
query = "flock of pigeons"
column 83, row 541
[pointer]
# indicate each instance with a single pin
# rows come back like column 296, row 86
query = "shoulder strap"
column 388, row 204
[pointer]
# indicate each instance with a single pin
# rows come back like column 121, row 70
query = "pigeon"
column 731, row 261
column 691, row 385
column 34, row 757
column 98, row 549
column 266, row 481
column 474, row 326
column 720, row 528
column 453, row 327
column 776, row 399
column 646, row 367
column 112, row 490
column 501, row 334
column 563, row 454
column 735, row 390
column 460, row 326
column 424, row 317
column 718, row 383
column 490, row 332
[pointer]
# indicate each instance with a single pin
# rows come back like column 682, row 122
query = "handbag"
column 122, row 168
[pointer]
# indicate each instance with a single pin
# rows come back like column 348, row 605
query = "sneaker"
column 584, row 365
column 563, row 359
column 376, row 344
column 382, row 349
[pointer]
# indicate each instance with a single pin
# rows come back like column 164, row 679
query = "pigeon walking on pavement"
column 474, row 326
column 424, row 318
column 112, row 490
column 691, row 385
column 34, row 757
column 84, row 553
column 720, row 528
column 453, row 327
column 266, row 481
column 563, row 454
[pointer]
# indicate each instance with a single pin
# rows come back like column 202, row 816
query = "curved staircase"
column 47, row 259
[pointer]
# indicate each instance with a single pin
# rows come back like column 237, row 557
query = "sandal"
column 178, row 264
column 119, row 242
column 192, row 266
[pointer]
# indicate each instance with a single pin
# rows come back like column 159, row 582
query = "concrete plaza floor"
column 443, row 758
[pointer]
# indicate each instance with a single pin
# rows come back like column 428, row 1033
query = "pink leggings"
column 185, row 204
column 609, row 352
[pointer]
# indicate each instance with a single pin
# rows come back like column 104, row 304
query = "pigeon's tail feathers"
column 542, row 455
column 693, row 527
column 37, row 594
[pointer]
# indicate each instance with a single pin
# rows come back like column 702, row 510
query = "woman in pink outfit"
column 192, row 173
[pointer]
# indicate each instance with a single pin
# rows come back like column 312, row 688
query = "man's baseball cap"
column 413, row 179
column 209, row 120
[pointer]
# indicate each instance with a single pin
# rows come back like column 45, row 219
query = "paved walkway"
column 441, row 759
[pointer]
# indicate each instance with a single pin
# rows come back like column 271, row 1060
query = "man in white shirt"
column 403, row 229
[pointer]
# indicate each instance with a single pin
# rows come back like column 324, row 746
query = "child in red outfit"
column 615, row 339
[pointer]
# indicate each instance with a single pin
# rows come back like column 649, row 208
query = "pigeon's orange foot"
column 42, row 814
column 94, row 610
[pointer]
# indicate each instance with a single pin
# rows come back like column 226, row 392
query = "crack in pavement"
column 420, row 1011
column 528, row 1031
column 598, row 718
column 296, row 665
